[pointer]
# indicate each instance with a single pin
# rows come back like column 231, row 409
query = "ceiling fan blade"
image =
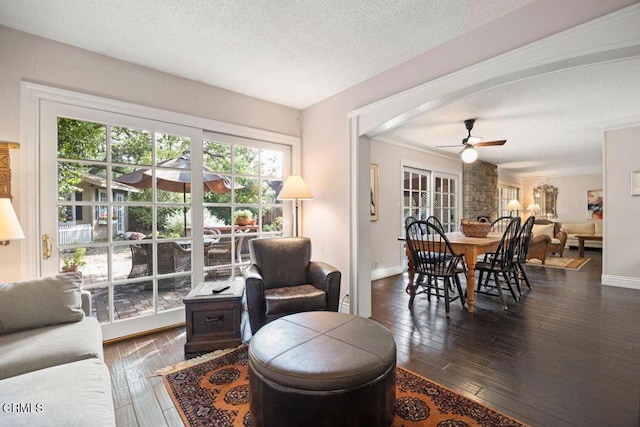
column 490, row 143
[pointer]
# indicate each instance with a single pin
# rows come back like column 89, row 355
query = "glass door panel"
column 114, row 221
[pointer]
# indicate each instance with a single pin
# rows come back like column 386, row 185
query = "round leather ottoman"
column 322, row 368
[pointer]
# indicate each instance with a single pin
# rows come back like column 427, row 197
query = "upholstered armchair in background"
column 283, row 280
column 558, row 236
column 539, row 247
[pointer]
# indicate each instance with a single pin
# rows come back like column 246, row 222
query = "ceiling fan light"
column 469, row 155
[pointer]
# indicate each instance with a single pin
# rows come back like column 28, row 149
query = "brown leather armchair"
column 282, row 280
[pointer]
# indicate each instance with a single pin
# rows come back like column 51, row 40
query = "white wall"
column 387, row 253
column 621, row 240
column 31, row 58
column 572, row 194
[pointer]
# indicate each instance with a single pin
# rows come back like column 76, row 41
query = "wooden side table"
column 213, row 320
column 581, row 238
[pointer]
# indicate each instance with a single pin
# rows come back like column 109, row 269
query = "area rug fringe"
column 195, row 361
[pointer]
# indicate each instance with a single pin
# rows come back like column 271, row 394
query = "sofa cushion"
column 293, row 299
column 41, row 302
column 71, row 394
column 546, row 229
column 579, row 228
column 40, row 348
column 597, row 227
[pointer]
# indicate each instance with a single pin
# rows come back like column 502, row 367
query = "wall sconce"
column 295, row 189
column 9, row 226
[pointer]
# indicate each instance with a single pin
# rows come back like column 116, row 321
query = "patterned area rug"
column 559, row 262
column 213, row 390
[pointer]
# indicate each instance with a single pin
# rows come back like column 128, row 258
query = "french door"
column 119, row 202
column 430, row 193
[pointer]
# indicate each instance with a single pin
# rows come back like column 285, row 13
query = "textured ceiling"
column 294, row 53
column 297, row 53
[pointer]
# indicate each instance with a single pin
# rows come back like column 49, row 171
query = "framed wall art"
column 594, row 204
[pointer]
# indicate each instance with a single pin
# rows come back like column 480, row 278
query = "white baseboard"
column 381, row 273
column 621, row 281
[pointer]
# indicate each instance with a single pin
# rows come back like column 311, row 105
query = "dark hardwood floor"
column 568, row 354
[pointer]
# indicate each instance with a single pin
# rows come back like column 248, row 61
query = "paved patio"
column 132, row 299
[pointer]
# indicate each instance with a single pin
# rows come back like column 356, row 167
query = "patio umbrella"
column 177, row 181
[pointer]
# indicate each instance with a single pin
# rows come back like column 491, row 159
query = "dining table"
column 471, row 248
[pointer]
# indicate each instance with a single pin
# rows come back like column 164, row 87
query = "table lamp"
column 514, row 205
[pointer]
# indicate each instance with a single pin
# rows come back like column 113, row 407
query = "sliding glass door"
column 145, row 209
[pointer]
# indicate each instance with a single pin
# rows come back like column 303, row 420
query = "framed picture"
column 635, row 183
column 373, row 181
column 594, row 204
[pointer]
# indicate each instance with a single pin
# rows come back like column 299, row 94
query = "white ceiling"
column 294, row 53
column 297, row 53
column 553, row 123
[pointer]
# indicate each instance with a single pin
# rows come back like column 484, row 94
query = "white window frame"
column 31, row 96
column 506, row 193
column 435, row 171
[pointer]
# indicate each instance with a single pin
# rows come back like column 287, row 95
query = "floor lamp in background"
column 295, row 189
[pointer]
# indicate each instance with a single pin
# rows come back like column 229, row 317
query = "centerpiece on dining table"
column 474, row 228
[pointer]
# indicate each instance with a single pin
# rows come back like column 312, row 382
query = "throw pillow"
column 540, row 229
column 42, row 302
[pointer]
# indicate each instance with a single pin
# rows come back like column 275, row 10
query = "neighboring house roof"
column 101, row 182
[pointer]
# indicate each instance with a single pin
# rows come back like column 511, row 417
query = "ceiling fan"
column 469, row 153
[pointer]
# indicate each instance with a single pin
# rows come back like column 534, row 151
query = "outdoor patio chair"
column 172, row 258
column 219, row 253
column 139, row 261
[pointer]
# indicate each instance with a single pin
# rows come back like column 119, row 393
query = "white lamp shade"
column 533, row 207
column 9, row 226
column 295, row 188
column 514, row 205
column 469, row 155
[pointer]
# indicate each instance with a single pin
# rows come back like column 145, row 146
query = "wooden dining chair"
column 499, row 265
column 435, row 262
column 523, row 242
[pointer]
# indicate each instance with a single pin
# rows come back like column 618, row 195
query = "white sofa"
column 588, row 227
column 52, row 371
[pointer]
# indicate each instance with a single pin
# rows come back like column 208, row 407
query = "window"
column 505, row 194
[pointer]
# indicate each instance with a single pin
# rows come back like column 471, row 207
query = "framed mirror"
column 546, row 196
